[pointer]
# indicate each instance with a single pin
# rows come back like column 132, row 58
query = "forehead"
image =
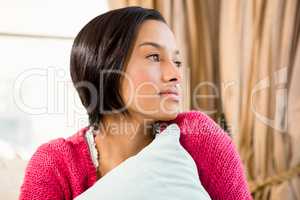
column 158, row 32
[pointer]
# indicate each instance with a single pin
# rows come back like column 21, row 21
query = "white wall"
column 36, row 93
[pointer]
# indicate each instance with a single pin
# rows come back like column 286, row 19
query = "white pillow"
column 161, row 170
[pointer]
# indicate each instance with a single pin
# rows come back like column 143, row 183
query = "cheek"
column 141, row 89
column 140, row 77
column 145, row 82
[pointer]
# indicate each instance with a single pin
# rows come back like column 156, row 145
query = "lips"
column 169, row 92
column 172, row 94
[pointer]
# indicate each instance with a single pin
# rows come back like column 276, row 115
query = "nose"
column 171, row 73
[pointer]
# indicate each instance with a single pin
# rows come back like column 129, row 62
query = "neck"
column 120, row 138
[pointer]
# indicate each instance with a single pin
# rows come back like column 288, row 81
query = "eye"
column 154, row 57
column 178, row 63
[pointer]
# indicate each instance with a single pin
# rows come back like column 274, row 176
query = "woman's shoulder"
column 202, row 137
column 215, row 154
column 198, row 129
column 61, row 162
column 61, row 146
column 197, row 122
column 65, row 153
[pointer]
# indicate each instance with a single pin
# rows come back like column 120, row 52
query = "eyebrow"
column 158, row 46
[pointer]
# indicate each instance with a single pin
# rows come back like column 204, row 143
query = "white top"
column 92, row 147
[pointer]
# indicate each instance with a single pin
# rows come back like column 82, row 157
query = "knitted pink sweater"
column 63, row 169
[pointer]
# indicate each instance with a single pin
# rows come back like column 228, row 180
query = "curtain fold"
column 243, row 58
column 259, row 51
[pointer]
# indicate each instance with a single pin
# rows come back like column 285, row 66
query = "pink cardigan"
column 63, row 169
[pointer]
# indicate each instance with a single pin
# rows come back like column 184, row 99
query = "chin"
column 158, row 113
column 167, row 116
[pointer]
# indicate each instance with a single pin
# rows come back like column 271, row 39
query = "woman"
column 126, row 68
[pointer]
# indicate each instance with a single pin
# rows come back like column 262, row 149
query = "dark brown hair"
column 104, row 45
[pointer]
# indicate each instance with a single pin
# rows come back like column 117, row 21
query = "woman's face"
column 152, row 69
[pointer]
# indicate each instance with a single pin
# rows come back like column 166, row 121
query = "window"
column 37, row 98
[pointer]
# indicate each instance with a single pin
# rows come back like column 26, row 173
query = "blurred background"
column 241, row 67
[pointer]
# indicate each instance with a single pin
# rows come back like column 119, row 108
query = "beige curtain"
column 242, row 58
column 259, row 59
